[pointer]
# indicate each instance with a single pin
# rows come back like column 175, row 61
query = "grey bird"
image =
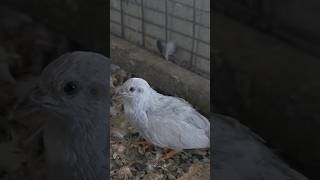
column 166, row 49
column 72, row 92
column 165, row 121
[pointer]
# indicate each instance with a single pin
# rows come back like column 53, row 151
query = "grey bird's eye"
column 132, row 89
column 70, row 88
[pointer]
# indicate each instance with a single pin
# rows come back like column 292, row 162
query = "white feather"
column 165, row 121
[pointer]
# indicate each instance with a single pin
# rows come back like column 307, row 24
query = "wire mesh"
column 186, row 23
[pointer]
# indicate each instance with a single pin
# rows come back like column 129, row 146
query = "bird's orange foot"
column 146, row 145
column 168, row 154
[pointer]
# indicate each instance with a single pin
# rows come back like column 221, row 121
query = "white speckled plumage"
column 165, row 121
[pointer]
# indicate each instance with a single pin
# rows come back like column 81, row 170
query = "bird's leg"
column 168, row 154
column 145, row 144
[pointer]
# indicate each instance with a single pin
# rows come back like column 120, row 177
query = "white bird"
column 166, row 49
column 165, row 121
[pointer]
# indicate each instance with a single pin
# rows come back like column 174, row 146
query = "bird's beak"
column 120, row 91
column 42, row 99
column 31, row 104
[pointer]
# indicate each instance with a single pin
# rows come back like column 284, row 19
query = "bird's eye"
column 132, row 89
column 70, row 88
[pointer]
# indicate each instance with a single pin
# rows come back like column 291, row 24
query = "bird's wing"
column 165, row 131
column 187, row 113
column 178, row 125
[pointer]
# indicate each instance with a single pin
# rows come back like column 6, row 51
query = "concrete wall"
column 144, row 26
column 272, row 87
column 267, row 73
column 293, row 21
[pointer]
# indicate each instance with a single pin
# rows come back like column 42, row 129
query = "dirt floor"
column 131, row 160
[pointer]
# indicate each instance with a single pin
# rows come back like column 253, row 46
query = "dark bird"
column 67, row 111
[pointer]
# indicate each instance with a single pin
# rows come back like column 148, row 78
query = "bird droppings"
column 131, row 160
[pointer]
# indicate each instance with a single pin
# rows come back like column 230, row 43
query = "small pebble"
column 124, row 173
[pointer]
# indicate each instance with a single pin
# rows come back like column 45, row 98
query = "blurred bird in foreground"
column 71, row 103
column 166, row 49
column 165, row 121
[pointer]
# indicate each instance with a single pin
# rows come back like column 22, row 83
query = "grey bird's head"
column 73, row 82
column 135, row 91
column 75, row 87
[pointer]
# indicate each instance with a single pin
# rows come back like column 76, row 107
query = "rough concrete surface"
column 271, row 87
column 292, row 21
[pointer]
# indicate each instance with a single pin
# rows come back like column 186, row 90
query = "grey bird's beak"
column 32, row 103
column 38, row 97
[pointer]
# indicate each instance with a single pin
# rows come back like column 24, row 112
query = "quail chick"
column 165, row 121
